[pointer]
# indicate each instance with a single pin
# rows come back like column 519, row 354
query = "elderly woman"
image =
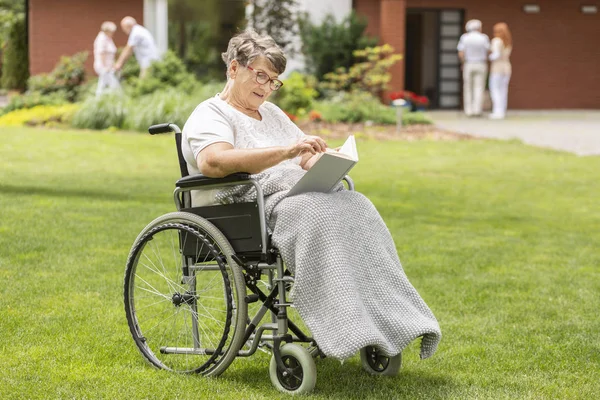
column 350, row 288
column 104, row 58
column 500, row 69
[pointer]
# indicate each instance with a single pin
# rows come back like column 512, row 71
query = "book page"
column 349, row 148
column 328, row 171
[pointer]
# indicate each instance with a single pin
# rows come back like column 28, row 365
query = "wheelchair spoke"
column 167, row 280
column 183, row 316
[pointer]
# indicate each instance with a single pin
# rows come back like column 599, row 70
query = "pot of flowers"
column 405, row 95
column 420, row 103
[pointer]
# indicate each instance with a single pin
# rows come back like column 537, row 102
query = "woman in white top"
column 350, row 288
column 104, row 58
column 500, row 69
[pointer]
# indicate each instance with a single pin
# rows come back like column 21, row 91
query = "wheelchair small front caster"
column 300, row 375
column 376, row 363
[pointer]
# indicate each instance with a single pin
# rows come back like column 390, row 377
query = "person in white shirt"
column 141, row 43
column 500, row 69
column 104, row 58
column 473, row 48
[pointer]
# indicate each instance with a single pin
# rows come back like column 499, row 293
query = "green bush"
column 124, row 112
column 330, row 45
column 415, row 118
column 297, row 94
column 102, row 112
column 163, row 106
column 66, row 77
column 355, row 107
column 15, row 68
column 32, row 99
column 370, row 73
column 40, row 115
column 167, row 73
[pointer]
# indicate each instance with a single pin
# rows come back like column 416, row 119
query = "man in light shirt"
column 141, row 43
column 473, row 48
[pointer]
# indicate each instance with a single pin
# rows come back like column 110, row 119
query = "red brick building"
column 65, row 27
column 556, row 54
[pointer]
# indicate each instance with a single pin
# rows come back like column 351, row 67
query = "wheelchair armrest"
column 201, row 180
column 164, row 128
column 349, row 182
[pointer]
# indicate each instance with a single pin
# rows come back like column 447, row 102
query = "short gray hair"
column 108, row 26
column 473, row 25
column 246, row 46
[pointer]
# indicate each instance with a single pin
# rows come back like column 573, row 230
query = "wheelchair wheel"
column 184, row 295
column 303, row 376
column 376, row 363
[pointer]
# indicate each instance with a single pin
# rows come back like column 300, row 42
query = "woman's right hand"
column 308, row 144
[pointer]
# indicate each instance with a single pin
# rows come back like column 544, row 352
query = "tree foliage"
column 200, row 30
column 370, row 74
column 15, row 57
column 330, row 45
column 276, row 18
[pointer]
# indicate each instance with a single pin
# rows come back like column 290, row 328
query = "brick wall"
column 65, row 27
column 556, row 54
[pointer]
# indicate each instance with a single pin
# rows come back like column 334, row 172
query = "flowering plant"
column 422, row 101
column 315, row 116
column 290, row 116
column 402, row 94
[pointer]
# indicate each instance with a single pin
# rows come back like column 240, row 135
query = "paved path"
column 573, row 131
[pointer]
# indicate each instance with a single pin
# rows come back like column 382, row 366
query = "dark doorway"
column 431, row 62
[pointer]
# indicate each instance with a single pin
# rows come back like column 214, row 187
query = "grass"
column 500, row 239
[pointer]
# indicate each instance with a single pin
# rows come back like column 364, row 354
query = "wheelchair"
column 191, row 276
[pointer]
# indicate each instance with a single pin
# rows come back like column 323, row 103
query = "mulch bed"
column 380, row 132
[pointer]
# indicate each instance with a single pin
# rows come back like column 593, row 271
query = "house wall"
column 65, row 27
column 555, row 57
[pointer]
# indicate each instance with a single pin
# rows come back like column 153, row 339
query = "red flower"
column 291, row 116
column 421, row 100
column 315, row 116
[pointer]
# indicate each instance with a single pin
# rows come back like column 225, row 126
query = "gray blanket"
column 350, row 288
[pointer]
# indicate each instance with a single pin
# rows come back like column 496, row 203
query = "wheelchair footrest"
column 184, row 350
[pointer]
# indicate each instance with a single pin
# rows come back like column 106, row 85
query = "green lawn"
column 500, row 239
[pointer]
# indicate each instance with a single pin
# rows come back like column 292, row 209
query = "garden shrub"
column 32, row 99
column 355, row 107
column 414, row 118
column 330, row 45
column 102, row 112
column 40, row 115
column 370, row 73
column 297, row 94
column 163, row 106
column 66, row 77
column 167, row 73
column 15, row 65
column 123, row 112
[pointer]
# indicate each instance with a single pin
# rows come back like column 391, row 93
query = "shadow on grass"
column 350, row 381
column 70, row 193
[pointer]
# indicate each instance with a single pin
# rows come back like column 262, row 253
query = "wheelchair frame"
column 247, row 244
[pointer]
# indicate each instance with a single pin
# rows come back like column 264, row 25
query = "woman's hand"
column 308, row 144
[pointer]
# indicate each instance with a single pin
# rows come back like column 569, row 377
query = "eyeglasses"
column 262, row 78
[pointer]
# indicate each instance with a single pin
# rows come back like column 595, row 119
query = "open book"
column 329, row 170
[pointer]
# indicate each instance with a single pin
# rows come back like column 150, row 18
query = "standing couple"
column 474, row 50
column 140, row 42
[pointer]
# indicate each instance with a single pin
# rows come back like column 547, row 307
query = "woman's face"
column 109, row 33
column 246, row 89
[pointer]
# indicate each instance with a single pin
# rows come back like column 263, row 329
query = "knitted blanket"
column 350, row 288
